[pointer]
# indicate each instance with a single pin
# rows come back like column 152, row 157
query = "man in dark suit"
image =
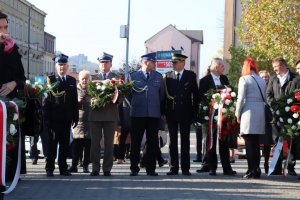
column 103, row 121
column 214, row 80
column 182, row 103
column 61, row 111
column 145, row 112
column 279, row 85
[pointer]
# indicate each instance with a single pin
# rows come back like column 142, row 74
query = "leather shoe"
column 94, row 173
column 73, row 169
column 34, row 162
column 186, row 173
column 162, row 163
column 212, row 173
column 152, row 173
column 106, row 174
column 49, row 173
column 203, row 169
column 276, row 173
column 170, row 173
column 86, row 169
column 292, row 172
column 229, row 172
column 248, row 175
column 65, row 173
column 134, row 173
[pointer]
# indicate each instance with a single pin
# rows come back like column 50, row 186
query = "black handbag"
column 268, row 112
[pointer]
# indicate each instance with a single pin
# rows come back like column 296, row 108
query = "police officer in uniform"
column 181, row 110
column 147, row 95
column 61, row 111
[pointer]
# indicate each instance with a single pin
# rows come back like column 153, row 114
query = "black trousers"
column 122, row 143
column 199, row 143
column 59, row 134
column 77, row 146
column 34, row 153
column 184, row 129
column 212, row 158
column 252, row 151
column 142, row 124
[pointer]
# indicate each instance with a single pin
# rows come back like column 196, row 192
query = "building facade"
column 49, row 44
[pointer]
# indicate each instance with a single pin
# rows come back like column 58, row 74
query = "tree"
column 270, row 28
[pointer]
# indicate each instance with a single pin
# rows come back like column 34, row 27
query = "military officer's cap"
column 149, row 56
column 105, row 57
column 61, row 59
column 176, row 57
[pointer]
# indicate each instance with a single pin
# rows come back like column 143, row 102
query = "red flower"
column 112, row 81
column 295, row 108
column 10, row 147
column 228, row 97
column 297, row 96
column 121, row 82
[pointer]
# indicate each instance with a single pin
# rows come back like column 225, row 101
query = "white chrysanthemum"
column 289, row 120
column 216, row 118
column 106, row 81
column 223, row 95
column 114, row 79
column 297, row 133
column 287, row 109
column 296, row 115
column 298, row 122
column 232, row 109
column 289, row 101
column 103, row 87
column 15, row 117
column 228, row 102
column 98, row 87
column 229, row 89
column 224, row 110
column 12, row 129
column 233, row 94
column 45, row 94
column 294, row 127
column 277, row 112
column 205, row 107
column 28, row 82
column 280, row 119
column 206, row 118
column 49, row 86
column 216, row 106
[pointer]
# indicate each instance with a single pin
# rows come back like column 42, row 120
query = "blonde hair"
column 83, row 73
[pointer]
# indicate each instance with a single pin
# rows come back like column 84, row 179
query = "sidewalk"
column 35, row 185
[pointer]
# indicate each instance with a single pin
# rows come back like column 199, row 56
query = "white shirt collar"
column 283, row 78
column 216, row 79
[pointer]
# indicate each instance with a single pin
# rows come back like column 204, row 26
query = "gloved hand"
column 74, row 124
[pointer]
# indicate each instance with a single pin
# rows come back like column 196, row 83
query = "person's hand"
column 3, row 37
column 74, row 124
column 7, row 88
column 80, row 99
column 238, row 120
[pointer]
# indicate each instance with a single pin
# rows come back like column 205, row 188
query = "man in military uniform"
column 61, row 111
column 103, row 121
column 147, row 94
column 181, row 110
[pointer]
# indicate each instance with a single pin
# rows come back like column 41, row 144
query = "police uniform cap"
column 61, row 59
column 104, row 57
column 176, row 57
column 149, row 56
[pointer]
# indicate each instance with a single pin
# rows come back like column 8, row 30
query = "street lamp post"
column 127, row 42
column 29, row 23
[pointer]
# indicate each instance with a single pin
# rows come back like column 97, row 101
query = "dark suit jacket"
column 207, row 83
column 64, row 107
column 186, row 97
column 110, row 111
column 275, row 91
column 11, row 69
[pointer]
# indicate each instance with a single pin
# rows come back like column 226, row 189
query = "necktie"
column 147, row 75
column 104, row 76
column 63, row 79
column 178, row 77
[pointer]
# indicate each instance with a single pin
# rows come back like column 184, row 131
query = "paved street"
column 35, row 185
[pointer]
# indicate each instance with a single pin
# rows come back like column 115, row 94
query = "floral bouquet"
column 107, row 91
column 37, row 90
column 287, row 113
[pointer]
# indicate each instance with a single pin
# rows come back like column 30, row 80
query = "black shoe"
column 106, row 174
column 292, row 172
column 73, row 169
column 266, row 166
column 229, row 172
column 152, row 173
column 197, row 160
column 170, row 173
column 86, row 169
column 162, row 163
column 94, row 173
column 65, row 173
column 212, row 173
column 276, row 173
column 203, row 169
column 49, row 173
column 34, row 162
column 134, row 173
column 232, row 160
column 248, row 175
column 186, row 173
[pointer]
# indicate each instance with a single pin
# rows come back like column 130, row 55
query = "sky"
column 93, row 26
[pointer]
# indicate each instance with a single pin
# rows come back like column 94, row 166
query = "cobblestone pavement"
column 35, row 185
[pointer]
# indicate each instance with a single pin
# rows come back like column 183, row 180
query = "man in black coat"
column 181, row 109
column 61, row 111
column 283, row 83
column 214, row 80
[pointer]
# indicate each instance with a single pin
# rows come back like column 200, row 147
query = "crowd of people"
column 155, row 99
